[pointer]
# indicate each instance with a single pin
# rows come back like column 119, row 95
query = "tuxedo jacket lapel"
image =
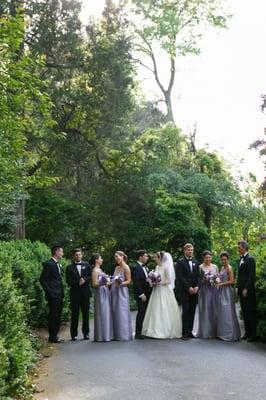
column 188, row 266
column 141, row 272
column 56, row 267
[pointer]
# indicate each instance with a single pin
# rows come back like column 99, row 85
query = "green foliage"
column 22, row 305
column 178, row 25
column 260, row 254
column 23, row 260
column 4, row 366
column 18, row 354
column 24, row 115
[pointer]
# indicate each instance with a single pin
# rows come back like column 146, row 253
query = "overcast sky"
column 221, row 89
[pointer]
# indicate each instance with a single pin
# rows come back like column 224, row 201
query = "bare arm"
column 127, row 275
column 231, row 278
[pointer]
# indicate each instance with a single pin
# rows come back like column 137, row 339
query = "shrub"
column 17, row 353
column 23, row 259
column 260, row 254
column 22, row 305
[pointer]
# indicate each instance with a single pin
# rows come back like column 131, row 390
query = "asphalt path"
column 154, row 369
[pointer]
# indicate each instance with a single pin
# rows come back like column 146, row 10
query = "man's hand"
column 191, row 290
column 81, row 281
column 143, row 298
column 245, row 293
column 196, row 289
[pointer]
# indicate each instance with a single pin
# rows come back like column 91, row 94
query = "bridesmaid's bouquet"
column 154, row 278
column 211, row 279
column 118, row 279
column 104, row 279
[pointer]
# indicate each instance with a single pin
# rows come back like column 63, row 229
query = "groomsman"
column 51, row 281
column 188, row 280
column 246, row 290
column 142, row 289
column 78, row 277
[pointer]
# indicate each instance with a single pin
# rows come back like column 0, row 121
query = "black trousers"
column 78, row 304
column 248, row 307
column 54, row 319
column 189, row 303
column 140, row 315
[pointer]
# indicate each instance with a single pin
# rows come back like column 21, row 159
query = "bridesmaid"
column 103, row 324
column 227, row 322
column 207, row 299
column 120, row 299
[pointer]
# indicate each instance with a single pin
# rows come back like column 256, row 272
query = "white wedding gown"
column 163, row 318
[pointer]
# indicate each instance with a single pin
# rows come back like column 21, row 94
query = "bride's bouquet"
column 154, row 278
column 211, row 279
column 104, row 279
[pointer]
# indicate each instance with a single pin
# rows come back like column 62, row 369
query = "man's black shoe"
column 185, row 337
column 244, row 337
column 139, row 337
column 74, row 338
column 251, row 339
column 56, row 340
column 86, row 337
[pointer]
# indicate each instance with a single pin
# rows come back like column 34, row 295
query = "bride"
column 163, row 318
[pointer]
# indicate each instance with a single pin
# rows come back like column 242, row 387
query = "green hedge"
column 23, row 259
column 260, row 254
column 22, row 306
column 17, row 352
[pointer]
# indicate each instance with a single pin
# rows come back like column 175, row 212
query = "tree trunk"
column 169, row 107
column 207, row 216
column 20, row 231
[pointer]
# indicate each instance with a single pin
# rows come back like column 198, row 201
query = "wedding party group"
column 174, row 301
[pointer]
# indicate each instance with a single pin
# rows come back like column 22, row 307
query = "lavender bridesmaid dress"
column 227, row 322
column 103, row 323
column 121, row 313
column 207, row 307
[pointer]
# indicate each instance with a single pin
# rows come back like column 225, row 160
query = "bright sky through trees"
column 220, row 90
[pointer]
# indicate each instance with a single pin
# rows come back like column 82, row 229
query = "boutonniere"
column 193, row 264
column 83, row 267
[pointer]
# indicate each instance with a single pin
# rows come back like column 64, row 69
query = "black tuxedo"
column 141, row 286
column 246, row 280
column 185, row 278
column 79, row 296
column 51, row 282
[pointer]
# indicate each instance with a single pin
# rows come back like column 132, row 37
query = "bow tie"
column 77, row 263
column 242, row 257
column 189, row 258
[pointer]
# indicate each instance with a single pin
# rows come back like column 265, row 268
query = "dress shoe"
column 244, row 337
column 56, row 340
column 74, row 338
column 251, row 339
column 185, row 337
column 86, row 337
column 139, row 337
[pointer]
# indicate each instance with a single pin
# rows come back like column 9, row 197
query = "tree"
column 25, row 113
column 260, row 145
column 176, row 27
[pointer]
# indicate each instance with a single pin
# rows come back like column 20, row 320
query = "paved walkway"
column 155, row 370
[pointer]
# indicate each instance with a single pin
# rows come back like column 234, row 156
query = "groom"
column 142, row 289
column 188, row 277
